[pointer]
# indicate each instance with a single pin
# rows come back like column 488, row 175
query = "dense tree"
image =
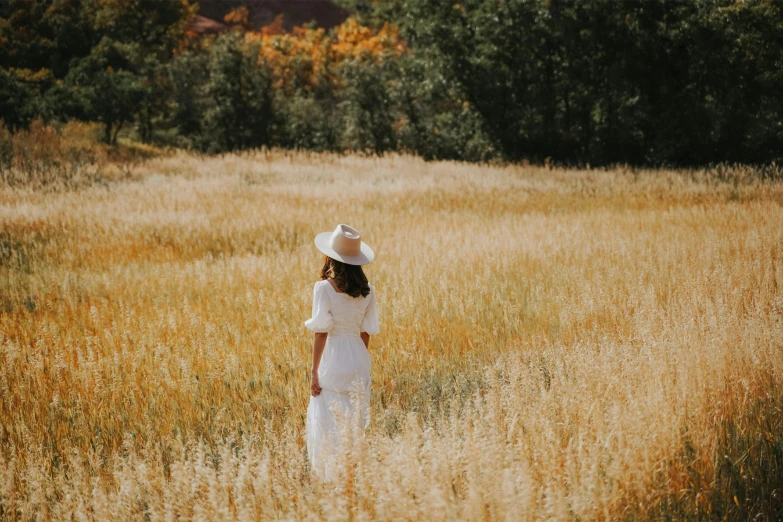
column 614, row 80
column 100, row 93
column 145, row 32
column 50, row 46
column 672, row 82
column 304, row 122
column 187, row 76
column 16, row 105
column 238, row 112
column 38, row 40
column 44, row 35
column 365, row 108
column 433, row 117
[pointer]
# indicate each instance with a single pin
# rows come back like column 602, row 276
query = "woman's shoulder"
column 321, row 285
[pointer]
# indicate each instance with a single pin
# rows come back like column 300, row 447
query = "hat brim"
column 365, row 256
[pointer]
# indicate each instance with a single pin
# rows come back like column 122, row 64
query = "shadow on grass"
column 741, row 480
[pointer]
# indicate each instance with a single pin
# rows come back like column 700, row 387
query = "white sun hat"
column 345, row 244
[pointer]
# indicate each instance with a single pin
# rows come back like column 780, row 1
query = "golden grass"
column 555, row 344
column 47, row 158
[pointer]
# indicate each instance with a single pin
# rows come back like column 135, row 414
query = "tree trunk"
column 116, row 131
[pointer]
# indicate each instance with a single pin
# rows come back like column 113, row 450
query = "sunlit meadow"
column 555, row 345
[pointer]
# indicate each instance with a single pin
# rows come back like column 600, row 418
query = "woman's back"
column 345, row 314
column 339, row 314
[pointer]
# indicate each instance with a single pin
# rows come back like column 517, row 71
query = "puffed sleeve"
column 370, row 321
column 321, row 320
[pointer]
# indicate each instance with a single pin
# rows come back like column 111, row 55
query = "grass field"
column 555, row 344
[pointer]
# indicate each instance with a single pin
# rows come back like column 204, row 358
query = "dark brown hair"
column 348, row 278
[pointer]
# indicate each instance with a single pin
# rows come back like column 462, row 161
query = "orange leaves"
column 238, row 17
column 291, row 55
column 304, row 55
column 357, row 41
column 275, row 28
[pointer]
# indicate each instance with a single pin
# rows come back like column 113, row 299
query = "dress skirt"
column 341, row 412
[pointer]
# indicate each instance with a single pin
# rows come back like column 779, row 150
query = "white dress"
column 342, row 409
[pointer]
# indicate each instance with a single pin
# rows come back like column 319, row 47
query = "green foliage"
column 614, row 81
column 92, row 59
column 365, row 108
column 303, row 123
column 143, row 33
column 372, row 13
column 15, row 101
column 43, row 34
column 100, row 93
column 434, row 120
column 238, row 113
column 596, row 82
column 187, row 76
column 144, row 26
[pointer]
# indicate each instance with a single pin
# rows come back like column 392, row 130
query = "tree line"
column 660, row 82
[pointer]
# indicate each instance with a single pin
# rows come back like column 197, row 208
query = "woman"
column 345, row 314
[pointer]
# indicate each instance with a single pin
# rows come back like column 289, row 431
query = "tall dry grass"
column 555, row 344
column 70, row 156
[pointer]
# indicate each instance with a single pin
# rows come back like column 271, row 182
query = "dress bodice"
column 340, row 314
